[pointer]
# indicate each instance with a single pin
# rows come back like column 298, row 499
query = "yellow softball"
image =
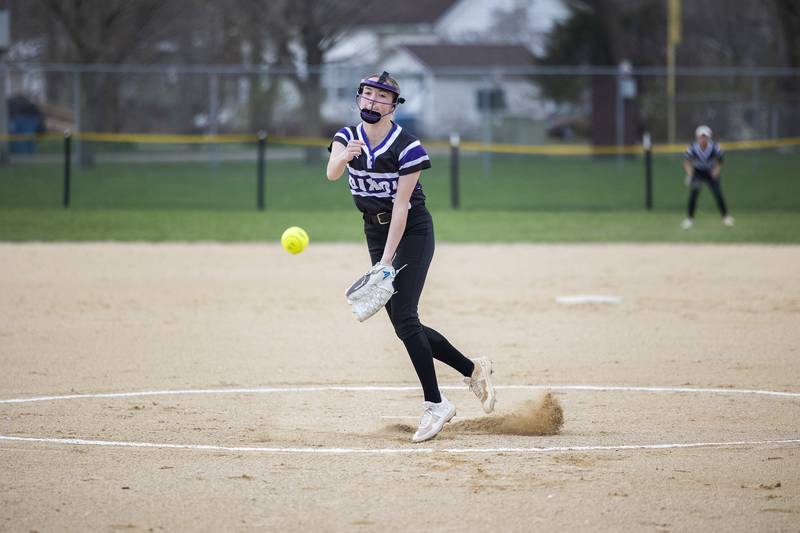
column 294, row 240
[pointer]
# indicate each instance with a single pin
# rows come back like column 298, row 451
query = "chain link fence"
column 523, row 106
column 538, row 110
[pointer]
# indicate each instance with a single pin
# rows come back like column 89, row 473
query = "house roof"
column 472, row 55
column 406, row 12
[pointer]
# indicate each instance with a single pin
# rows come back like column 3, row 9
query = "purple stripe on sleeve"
column 414, row 153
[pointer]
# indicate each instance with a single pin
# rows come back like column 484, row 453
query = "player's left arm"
column 717, row 163
column 405, row 186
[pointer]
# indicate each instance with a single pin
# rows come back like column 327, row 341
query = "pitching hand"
column 352, row 150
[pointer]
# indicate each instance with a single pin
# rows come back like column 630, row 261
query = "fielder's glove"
column 687, row 180
column 371, row 291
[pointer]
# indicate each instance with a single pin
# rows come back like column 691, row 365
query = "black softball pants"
column 697, row 183
column 422, row 343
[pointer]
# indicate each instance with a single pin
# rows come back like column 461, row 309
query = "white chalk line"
column 588, row 299
column 397, row 388
column 408, row 450
column 411, row 417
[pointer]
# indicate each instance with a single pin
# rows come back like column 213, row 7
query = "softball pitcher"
column 384, row 163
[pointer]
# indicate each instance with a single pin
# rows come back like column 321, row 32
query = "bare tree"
column 100, row 32
column 314, row 27
column 787, row 18
column 294, row 35
column 715, row 33
column 729, row 33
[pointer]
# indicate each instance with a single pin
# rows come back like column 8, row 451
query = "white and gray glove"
column 371, row 291
column 687, row 180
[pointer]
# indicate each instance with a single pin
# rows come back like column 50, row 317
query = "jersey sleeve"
column 342, row 136
column 689, row 153
column 720, row 154
column 413, row 158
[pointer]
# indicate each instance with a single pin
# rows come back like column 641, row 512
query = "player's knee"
column 406, row 325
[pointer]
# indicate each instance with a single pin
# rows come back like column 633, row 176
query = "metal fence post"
column 487, row 138
column 5, row 146
column 648, row 171
column 755, row 159
column 76, row 108
column 455, row 141
column 619, row 115
column 626, row 92
column 67, row 166
column 262, row 163
column 213, row 110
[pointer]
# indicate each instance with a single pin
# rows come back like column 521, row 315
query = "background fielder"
column 702, row 163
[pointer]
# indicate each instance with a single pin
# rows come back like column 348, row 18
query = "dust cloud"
column 535, row 417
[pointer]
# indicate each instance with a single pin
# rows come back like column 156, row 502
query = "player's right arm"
column 340, row 156
column 688, row 168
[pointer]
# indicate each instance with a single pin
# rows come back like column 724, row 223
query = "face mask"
column 371, row 116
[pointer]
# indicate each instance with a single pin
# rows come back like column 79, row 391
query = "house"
column 452, row 59
column 435, row 21
column 465, row 87
column 459, row 87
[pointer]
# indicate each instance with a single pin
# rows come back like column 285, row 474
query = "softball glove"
column 371, row 291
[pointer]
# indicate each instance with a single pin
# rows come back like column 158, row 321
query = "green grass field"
column 510, row 198
column 52, row 224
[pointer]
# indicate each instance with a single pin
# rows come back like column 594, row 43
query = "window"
column 491, row 99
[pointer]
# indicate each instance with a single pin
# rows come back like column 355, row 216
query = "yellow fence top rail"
column 468, row 146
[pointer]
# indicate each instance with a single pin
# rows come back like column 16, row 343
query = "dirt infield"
column 269, row 406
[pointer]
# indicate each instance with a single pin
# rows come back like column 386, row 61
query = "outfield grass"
column 766, row 181
column 510, row 198
column 36, row 224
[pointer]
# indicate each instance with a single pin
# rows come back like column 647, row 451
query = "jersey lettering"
column 374, row 174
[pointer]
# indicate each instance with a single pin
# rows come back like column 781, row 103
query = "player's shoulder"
column 344, row 135
column 347, row 131
column 405, row 139
column 406, row 136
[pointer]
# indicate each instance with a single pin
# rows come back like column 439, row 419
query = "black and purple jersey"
column 374, row 174
column 703, row 161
